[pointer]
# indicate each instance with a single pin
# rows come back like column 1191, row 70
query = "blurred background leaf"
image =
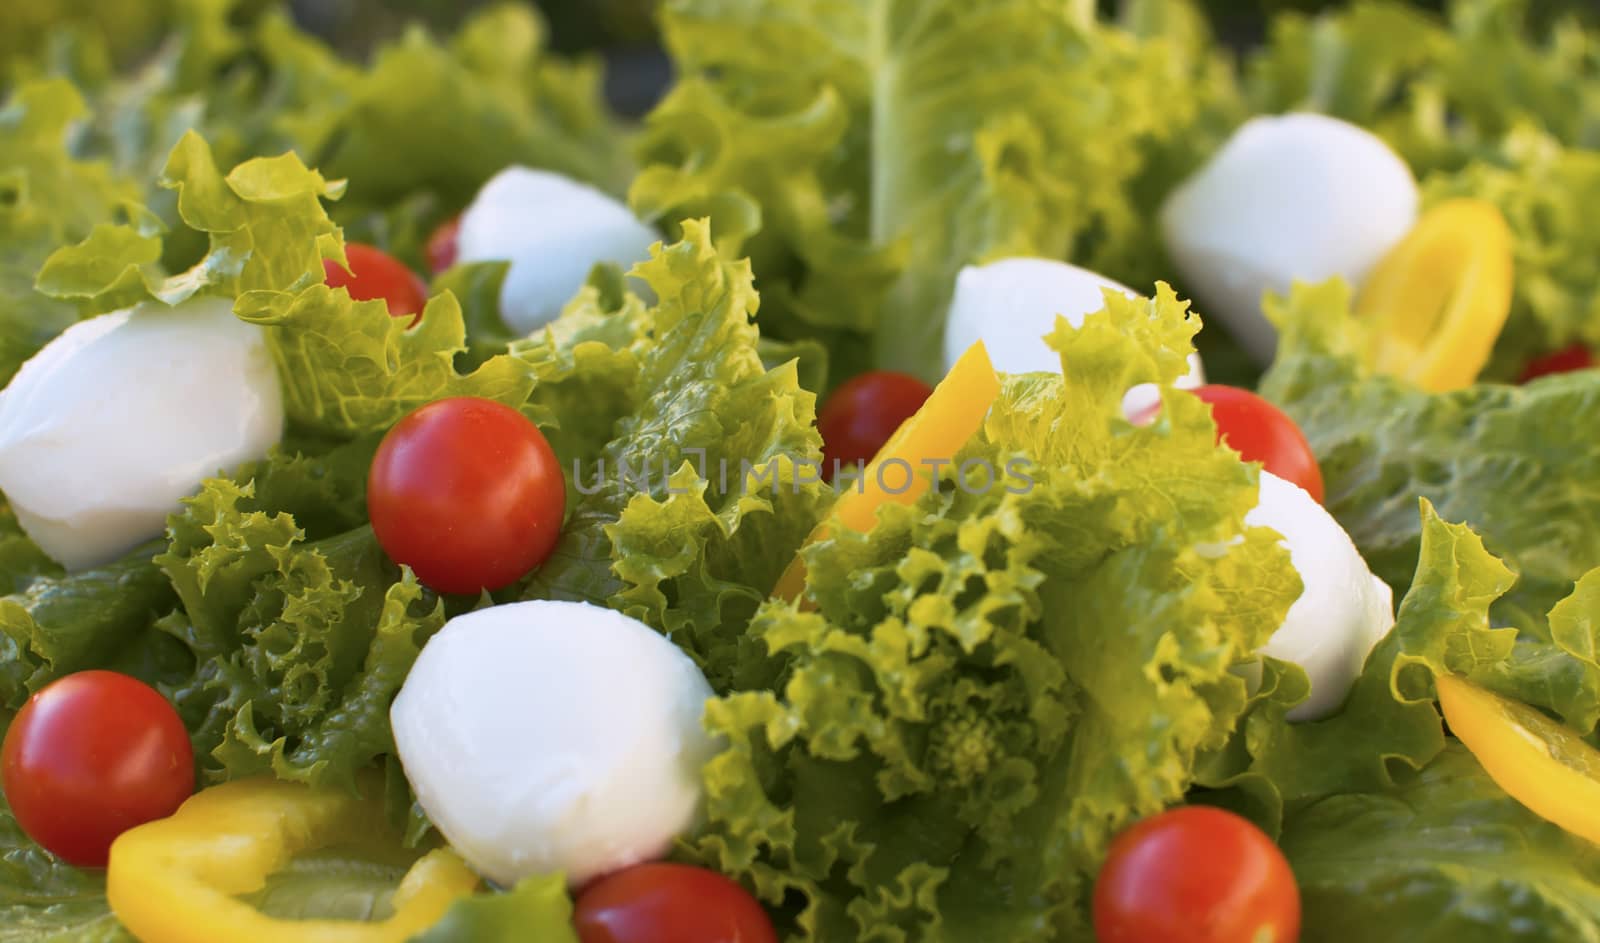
column 623, row 31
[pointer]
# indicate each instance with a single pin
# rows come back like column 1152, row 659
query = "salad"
column 436, row 509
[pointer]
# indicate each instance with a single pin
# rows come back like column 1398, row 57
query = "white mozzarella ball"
column 554, row 736
column 106, row 428
column 1012, row 304
column 1299, row 197
column 553, row 231
column 1343, row 611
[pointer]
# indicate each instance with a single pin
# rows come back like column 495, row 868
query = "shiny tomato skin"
column 468, row 493
column 864, row 412
column 670, row 903
column 1196, row 875
column 1261, row 432
column 375, row 275
column 1574, row 358
column 442, row 247
column 89, row 757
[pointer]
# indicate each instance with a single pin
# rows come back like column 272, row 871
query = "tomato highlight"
column 91, row 756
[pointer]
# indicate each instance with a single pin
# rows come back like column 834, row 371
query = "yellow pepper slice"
column 176, row 880
column 1440, row 298
column 1542, row 764
column 947, row 419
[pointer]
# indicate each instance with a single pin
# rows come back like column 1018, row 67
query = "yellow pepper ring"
column 1438, row 301
column 175, row 880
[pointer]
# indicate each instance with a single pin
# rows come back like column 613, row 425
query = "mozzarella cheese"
column 552, row 230
column 1296, row 197
column 1012, row 304
column 1343, row 611
column 544, row 736
column 119, row 417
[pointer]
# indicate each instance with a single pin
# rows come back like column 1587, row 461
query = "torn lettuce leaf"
column 843, row 149
column 996, row 680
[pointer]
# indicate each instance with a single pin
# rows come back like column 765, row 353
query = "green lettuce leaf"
column 1447, row 856
column 348, row 367
column 299, row 647
column 996, row 680
column 1389, row 728
column 538, row 908
column 1514, row 463
column 98, row 618
column 664, row 527
column 46, row 900
column 47, row 199
column 860, row 167
column 255, row 85
column 264, row 220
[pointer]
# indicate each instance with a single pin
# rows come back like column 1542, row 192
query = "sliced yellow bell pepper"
column 1542, row 764
column 1438, row 300
column 176, row 880
column 947, row 419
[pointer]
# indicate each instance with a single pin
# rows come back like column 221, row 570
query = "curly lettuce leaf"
column 299, row 647
column 348, row 367
column 994, row 681
column 863, row 168
column 664, row 527
column 1446, row 856
column 1515, row 463
column 264, row 221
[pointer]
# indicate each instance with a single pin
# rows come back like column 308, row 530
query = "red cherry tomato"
column 1576, row 357
column 1260, row 432
column 442, row 248
column 864, row 412
column 91, row 756
column 376, row 275
column 468, row 493
column 670, row 903
column 1196, row 875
